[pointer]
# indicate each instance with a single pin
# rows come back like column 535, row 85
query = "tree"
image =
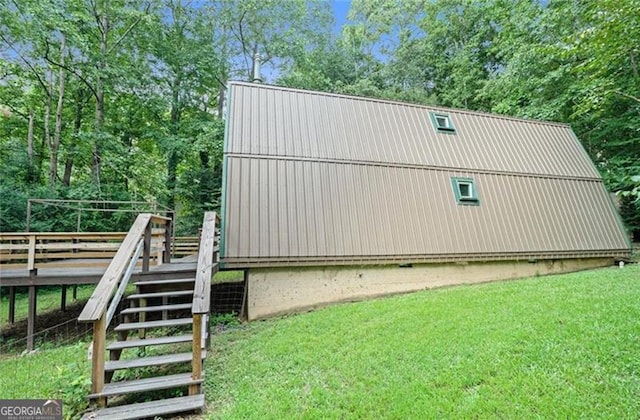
column 279, row 30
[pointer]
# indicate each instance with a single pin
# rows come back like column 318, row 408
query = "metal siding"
column 321, row 126
column 318, row 177
column 386, row 211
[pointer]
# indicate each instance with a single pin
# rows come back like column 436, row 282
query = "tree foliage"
column 122, row 99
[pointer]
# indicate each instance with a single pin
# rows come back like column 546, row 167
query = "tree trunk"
column 55, row 144
column 221, row 102
column 172, row 160
column 68, row 168
column 77, row 124
column 30, row 138
column 46, row 135
column 39, row 158
column 99, row 122
column 31, row 177
column 205, row 179
column 172, row 165
column 47, row 114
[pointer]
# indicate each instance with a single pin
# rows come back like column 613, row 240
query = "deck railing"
column 184, row 246
column 105, row 299
column 33, row 250
column 206, row 268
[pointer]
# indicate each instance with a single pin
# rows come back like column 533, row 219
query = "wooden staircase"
column 161, row 340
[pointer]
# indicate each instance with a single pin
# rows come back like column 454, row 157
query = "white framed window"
column 464, row 191
column 442, row 122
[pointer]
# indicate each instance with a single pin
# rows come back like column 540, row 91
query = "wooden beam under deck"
column 74, row 276
column 87, row 275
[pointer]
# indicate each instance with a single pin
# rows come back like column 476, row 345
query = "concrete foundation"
column 278, row 291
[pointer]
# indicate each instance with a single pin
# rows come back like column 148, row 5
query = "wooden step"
column 160, row 294
column 166, row 359
column 153, row 324
column 157, row 308
column 164, row 282
column 149, row 409
column 172, row 339
column 147, row 384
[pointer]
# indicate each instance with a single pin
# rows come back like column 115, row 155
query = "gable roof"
column 317, row 178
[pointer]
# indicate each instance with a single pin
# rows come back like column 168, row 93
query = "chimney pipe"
column 257, row 78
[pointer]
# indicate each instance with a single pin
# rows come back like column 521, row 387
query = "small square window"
column 465, row 191
column 442, row 122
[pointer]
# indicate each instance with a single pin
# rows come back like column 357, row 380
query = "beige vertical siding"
column 272, row 121
column 318, row 178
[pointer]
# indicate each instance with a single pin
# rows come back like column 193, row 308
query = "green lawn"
column 48, row 299
column 61, row 372
column 228, row 276
column 551, row 347
column 562, row 346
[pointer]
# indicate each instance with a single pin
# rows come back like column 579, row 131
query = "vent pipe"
column 257, row 78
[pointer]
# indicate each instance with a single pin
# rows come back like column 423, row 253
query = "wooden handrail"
column 98, row 301
column 33, row 250
column 97, row 304
column 159, row 219
column 123, row 284
column 54, row 235
column 207, row 264
column 101, row 307
column 206, row 268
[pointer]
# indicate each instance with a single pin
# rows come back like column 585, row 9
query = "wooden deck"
column 70, row 258
column 85, row 271
column 72, row 273
column 164, row 286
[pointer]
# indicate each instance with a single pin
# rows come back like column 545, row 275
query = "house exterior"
column 333, row 198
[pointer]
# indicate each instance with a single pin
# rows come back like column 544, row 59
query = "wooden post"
column 97, row 359
column 168, row 227
column 12, row 304
column 207, row 323
column 28, row 215
column 165, row 302
column 63, row 298
column 146, row 251
column 31, row 317
column 196, row 361
column 31, row 256
column 142, row 317
column 75, row 291
column 244, row 308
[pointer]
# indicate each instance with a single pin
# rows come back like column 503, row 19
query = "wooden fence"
column 23, row 254
column 33, row 250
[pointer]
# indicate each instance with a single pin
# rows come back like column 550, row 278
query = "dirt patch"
column 58, row 327
column 53, row 326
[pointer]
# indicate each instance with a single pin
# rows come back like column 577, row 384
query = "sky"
column 340, row 10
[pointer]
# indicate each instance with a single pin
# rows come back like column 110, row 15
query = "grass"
column 561, row 346
column 61, row 372
column 48, row 299
column 228, row 276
